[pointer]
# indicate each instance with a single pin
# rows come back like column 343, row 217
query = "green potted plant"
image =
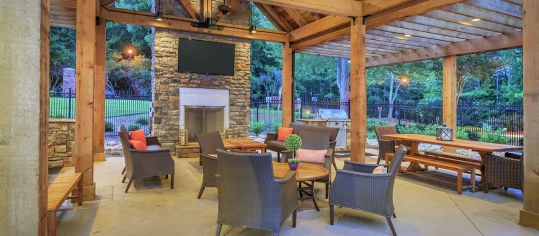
column 292, row 143
column 257, row 127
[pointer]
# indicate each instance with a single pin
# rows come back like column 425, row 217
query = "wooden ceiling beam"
column 483, row 14
column 412, row 38
column 404, row 31
column 466, row 20
column 323, row 38
column 432, row 30
column 334, row 7
column 295, row 16
column 497, row 42
column 274, row 17
column 189, row 8
column 398, row 41
column 176, row 23
column 498, row 6
column 427, row 21
column 319, row 26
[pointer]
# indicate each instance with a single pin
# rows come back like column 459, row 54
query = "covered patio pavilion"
column 369, row 32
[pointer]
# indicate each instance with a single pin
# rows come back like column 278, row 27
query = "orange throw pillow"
column 138, row 145
column 138, row 135
column 283, row 132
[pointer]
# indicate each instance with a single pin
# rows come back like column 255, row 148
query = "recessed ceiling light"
column 407, row 35
column 476, row 19
column 465, row 23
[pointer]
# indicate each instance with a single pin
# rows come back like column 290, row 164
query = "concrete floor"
column 151, row 208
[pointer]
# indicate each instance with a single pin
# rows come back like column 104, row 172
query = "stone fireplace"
column 172, row 110
column 204, row 110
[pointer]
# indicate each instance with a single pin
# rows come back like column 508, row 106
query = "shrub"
column 409, row 129
column 462, row 134
column 257, row 127
column 109, row 127
column 292, row 142
column 132, row 127
column 276, row 126
column 497, row 136
column 142, row 121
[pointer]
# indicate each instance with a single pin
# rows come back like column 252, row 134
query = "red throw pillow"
column 314, row 156
column 283, row 132
column 138, row 135
column 138, row 145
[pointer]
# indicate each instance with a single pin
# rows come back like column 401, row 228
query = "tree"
column 343, row 79
column 62, row 53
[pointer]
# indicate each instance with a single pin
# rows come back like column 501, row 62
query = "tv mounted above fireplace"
column 203, row 57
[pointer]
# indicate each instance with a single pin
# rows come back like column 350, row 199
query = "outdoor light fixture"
column 407, row 35
column 224, row 8
column 159, row 14
column 252, row 27
column 476, row 19
column 404, row 79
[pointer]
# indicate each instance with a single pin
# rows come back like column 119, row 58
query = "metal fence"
column 123, row 108
column 490, row 123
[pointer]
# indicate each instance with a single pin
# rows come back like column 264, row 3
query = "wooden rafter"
column 322, row 25
column 427, row 21
column 497, row 42
column 412, row 38
column 484, row 14
column 295, row 16
column 466, row 20
column 334, row 7
column 432, row 30
column 498, row 6
column 189, row 8
column 106, row 2
column 404, row 31
column 274, row 17
column 184, row 24
column 324, row 38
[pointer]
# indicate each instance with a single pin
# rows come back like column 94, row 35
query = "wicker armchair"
column 249, row 196
column 148, row 163
column 507, row 171
column 356, row 187
column 209, row 143
column 385, row 145
column 317, row 140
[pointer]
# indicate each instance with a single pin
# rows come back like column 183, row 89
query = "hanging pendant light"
column 159, row 14
column 224, row 8
column 252, row 27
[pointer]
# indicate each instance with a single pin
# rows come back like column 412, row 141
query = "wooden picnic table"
column 484, row 149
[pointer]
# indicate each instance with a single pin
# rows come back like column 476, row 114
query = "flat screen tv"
column 203, row 57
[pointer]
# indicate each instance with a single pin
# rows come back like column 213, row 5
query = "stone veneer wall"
column 61, row 142
column 168, row 80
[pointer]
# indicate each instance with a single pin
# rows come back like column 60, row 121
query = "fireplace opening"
column 204, row 119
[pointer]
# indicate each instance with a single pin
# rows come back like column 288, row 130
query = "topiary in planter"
column 292, row 142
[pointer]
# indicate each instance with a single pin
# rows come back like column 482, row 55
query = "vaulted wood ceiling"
column 415, row 29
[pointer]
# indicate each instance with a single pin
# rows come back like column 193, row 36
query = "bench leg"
column 459, row 181
column 51, row 223
column 80, row 192
column 472, row 179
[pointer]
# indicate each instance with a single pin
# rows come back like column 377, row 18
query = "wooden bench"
column 460, row 168
column 58, row 192
column 457, row 158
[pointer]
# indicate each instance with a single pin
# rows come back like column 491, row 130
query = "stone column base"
column 529, row 219
column 100, row 156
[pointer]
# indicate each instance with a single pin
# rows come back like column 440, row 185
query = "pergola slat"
column 466, row 20
column 427, row 21
column 480, row 13
column 433, row 30
column 498, row 6
column 413, row 38
column 403, row 31
column 397, row 41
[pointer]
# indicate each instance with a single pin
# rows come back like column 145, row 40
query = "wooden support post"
column 529, row 215
column 85, row 54
column 287, row 94
column 44, row 115
column 449, row 95
column 99, row 91
column 358, row 91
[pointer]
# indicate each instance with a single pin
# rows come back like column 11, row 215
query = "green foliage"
column 371, row 123
column 109, row 127
column 497, row 136
column 130, row 74
column 276, row 126
column 257, row 127
column 293, row 160
column 462, row 134
column 142, row 121
column 292, row 142
column 132, row 127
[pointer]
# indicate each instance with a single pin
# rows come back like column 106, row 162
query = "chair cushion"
column 314, row 156
column 275, row 145
column 138, row 135
column 379, row 170
column 138, row 145
column 283, row 132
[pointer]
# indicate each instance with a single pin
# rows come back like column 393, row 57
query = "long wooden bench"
column 460, row 168
column 457, row 158
column 58, row 192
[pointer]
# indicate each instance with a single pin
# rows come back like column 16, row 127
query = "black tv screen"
column 203, row 57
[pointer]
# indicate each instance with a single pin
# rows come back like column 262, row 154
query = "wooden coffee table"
column 305, row 174
column 244, row 144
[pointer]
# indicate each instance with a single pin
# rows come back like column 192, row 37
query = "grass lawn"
column 59, row 107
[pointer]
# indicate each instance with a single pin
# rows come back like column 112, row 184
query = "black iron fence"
column 488, row 123
column 122, row 108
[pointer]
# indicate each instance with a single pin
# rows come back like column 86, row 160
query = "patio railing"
column 124, row 108
column 489, row 123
